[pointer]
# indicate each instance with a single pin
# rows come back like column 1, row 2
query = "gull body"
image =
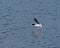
column 37, row 23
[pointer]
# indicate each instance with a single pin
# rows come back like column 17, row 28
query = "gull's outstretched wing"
column 36, row 20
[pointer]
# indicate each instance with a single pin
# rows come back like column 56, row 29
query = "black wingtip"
column 36, row 20
column 33, row 24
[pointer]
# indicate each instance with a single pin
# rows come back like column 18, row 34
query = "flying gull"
column 37, row 23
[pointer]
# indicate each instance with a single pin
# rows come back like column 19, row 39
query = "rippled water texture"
column 17, row 17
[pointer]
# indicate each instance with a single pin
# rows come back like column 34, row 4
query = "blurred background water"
column 16, row 19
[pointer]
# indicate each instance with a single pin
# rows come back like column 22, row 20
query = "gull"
column 37, row 23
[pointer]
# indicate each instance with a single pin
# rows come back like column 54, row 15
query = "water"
column 16, row 19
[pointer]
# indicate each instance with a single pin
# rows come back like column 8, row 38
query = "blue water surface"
column 17, row 17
